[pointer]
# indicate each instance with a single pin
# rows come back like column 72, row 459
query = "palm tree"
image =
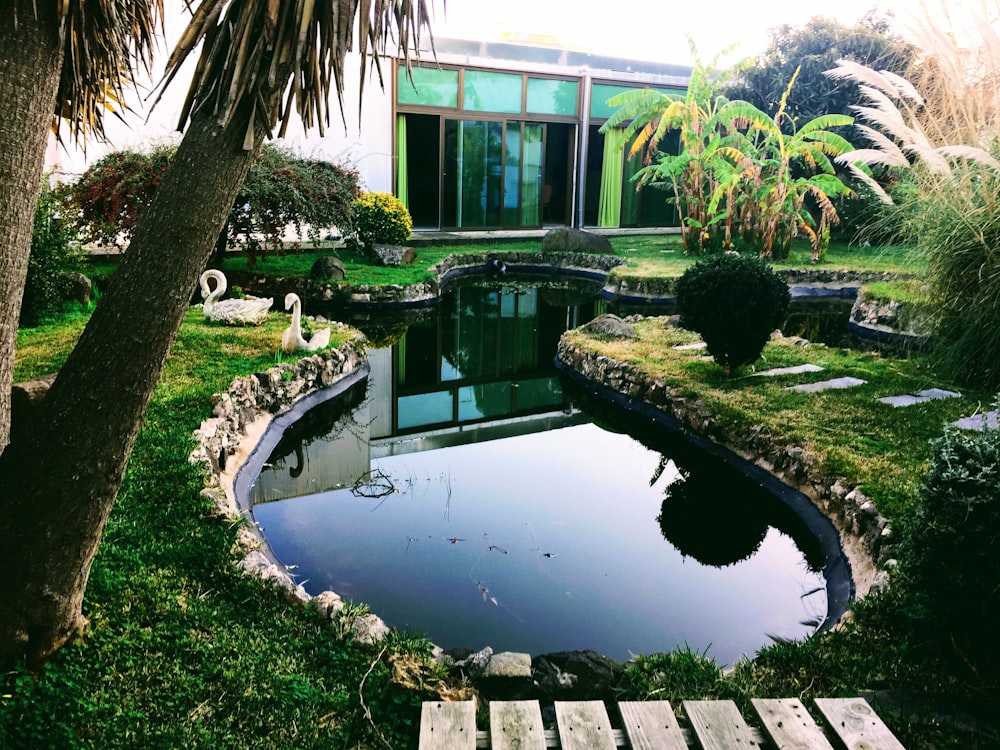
column 60, row 64
column 261, row 64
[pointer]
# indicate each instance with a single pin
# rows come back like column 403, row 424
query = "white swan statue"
column 233, row 312
column 292, row 340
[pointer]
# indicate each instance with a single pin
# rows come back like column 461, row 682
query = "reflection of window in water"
column 487, row 356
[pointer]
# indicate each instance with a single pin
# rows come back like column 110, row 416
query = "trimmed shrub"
column 381, row 219
column 734, row 302
column 949, row 557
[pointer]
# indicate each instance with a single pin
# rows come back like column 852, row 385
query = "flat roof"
column 564, row 60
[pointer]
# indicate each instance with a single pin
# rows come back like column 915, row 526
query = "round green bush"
column 949, row 556
column 381, row 219
column 735, row 302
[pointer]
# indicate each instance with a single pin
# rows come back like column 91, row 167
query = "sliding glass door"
column 492, row 174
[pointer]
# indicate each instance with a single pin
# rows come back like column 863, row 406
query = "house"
column 505, row 135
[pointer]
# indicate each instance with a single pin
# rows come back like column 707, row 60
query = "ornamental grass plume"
column 935, row 140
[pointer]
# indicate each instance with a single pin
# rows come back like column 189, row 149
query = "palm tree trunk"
column 30, row 59
column 60, row 481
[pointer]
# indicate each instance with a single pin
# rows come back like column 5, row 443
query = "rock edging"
column 225, row 442
column 866, row 536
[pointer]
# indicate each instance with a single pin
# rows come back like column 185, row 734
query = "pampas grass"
column 937, row 130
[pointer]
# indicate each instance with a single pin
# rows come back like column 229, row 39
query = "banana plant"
column 737, row 167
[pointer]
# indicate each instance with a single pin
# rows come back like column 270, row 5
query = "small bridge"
column 780, row 724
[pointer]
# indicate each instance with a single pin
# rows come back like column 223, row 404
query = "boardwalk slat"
column 584, row 725
column 719, row 726
column 789, row 725
column 516, row 725
column 448, row 725
column 651, row 725
column 855, row 722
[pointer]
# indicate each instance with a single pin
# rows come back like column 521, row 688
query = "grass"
column 184, row 651
column 649, row 256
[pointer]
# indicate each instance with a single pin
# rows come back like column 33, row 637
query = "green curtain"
column 531, row 176
column 402, row 163
column 610, row 207
column 630, row 198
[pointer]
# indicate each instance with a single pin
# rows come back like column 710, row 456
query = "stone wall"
column 240, row 416
column 865, row 535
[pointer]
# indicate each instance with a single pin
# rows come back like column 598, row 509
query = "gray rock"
column 577, row 241
column 327, row 267
column 509, row 664
column 576, row 675
column 76, row 287
column 394, row 255
column 610, row 326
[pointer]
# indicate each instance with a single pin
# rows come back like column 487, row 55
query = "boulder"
column 25, row 397
column 327, row 267
column 76, row 286
column 499, row 676
column 394, row 255
column 577, row 241
column 610, row 327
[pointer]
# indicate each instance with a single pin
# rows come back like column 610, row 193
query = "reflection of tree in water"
column 712, row 517
column 385, row 330
column 322, row 422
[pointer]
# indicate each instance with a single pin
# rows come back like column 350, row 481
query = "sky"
column 632, row 30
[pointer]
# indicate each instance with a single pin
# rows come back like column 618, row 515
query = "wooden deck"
column 780, row 724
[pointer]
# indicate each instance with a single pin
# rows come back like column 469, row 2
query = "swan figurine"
column 292, row 340
column 234, row 312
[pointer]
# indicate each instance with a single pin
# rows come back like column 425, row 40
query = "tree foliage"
column 281, row 192
column 53, row 253
column 811, row 50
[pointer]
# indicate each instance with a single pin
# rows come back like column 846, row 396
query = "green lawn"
column 647, row 256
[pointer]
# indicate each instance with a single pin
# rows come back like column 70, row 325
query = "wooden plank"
column 448, row 725
column 789, row 725
column 651, row 725
column 857, row 724
column 516, row 725
column 718, row 725
column 584, row 725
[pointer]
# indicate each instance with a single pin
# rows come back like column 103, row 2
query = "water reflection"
column 469, row 495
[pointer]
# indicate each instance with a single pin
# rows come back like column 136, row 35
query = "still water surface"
column 538, row 531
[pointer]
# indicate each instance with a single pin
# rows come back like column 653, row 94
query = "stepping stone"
column 978, row 422
column 922, row 396
column 688, row 347
column 797, row 369
column 825, row 385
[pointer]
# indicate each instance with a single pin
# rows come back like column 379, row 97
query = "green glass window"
column 601, row 92
column 424, row 409
column 431, row 87
column 547, row 96
column 492, row 92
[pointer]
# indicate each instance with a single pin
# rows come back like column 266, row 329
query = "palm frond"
column 286, row 58
column 103, row 42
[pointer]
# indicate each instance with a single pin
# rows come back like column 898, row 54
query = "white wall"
column 367, row 147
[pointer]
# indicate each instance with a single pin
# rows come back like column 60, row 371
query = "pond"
column 469, row 493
